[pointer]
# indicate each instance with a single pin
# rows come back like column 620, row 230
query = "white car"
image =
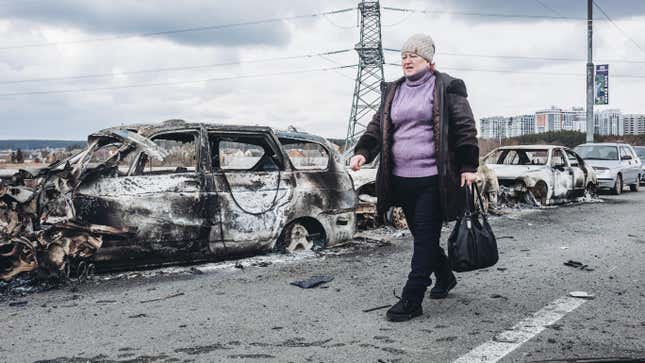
column 550, row 173
column 640, row 152
column 616, row 164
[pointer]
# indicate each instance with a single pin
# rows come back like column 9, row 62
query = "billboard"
column 601, row 85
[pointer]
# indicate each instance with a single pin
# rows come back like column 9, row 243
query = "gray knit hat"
column 421, row 44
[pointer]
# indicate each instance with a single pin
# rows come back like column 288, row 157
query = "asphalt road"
column 221, row 313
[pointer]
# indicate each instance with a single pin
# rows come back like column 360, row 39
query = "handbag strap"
column 477, row 195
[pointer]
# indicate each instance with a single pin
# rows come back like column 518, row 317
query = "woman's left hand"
column 468, row 178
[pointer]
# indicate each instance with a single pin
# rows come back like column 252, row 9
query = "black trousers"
column 419, row 198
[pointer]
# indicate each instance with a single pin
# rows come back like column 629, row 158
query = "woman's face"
column 413, row 63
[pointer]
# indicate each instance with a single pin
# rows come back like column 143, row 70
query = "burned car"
column 545, row 174
column 173, row 192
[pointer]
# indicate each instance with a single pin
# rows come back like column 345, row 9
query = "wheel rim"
column 299, row 239
column 540, row 193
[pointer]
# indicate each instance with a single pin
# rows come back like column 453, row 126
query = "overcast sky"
column 111, row 52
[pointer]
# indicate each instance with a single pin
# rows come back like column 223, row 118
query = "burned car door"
column 159, row 201
column 578, row 174
column 253, row 190
column 562, row 179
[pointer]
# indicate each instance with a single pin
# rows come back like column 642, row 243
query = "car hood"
column 516, row 171
column 603, row 163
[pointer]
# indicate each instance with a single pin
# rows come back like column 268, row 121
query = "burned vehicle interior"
column 519, row 157
column 150, row 195
column 541, row 176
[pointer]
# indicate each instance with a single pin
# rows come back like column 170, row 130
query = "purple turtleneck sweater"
column 413, row 142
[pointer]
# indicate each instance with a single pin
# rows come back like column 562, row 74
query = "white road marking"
column 509, row 340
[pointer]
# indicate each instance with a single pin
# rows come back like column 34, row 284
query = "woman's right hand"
column 356, row 162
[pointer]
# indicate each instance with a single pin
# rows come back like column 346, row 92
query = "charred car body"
column 175, row 192
column 546, row 174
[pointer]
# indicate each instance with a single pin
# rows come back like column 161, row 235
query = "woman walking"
column 425, row 134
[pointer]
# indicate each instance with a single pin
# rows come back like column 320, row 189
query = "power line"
column 496, row 15
column 617, row 27
column 557, row 59
column 172, row 69
column 142, row 85
column 548, row 7
column 177, row 31
column 506, row 71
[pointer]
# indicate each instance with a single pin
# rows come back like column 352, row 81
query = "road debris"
column 18, row 303
column 163, row 298
column 313, row 281
column 582, row 295
column 377, row 308
column 578, row 265
column 498, row 296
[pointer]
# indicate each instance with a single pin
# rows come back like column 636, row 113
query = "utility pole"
column 367, row 90
column 590, row 71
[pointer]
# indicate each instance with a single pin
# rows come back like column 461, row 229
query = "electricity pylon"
column 367, row 91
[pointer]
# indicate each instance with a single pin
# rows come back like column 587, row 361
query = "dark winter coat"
column 455, row 134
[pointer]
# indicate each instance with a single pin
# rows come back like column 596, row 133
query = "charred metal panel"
column 166, row 213
column 253, row 207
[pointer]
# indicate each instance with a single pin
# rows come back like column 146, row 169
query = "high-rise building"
column 549, row 119
column 499, row 127
column 609, row 122
column 493, row 127
column 634, row 124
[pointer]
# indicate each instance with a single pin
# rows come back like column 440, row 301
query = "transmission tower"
column 367, row 91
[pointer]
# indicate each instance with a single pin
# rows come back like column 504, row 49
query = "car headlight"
column 600, row 168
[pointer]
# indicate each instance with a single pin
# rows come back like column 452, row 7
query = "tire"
column 540, row 192
column 636, row 186
column 591, row 190
column 618, row 185
column 294, row 237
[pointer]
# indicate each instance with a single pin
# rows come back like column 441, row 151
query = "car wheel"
column 591, row 190
column 618, row 185
column 636, row 186
column 540, row 192
column 295, row 237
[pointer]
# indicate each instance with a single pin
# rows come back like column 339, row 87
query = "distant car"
column 640, row 152
column 616, row 164
column 551, row 173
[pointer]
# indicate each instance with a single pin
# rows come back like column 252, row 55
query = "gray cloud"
column 110, row 18
column 616, row 9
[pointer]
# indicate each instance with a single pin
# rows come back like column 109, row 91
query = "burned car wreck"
column 541, row 174
column 151, row 194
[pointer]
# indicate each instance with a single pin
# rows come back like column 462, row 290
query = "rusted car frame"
column 543, row 174
column 172, row 192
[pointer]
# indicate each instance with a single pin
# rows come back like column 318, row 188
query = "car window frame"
column 324, row 147
column 624, row 148
column 553, row 151
column 572, row 153
column 278, row 152
column 199, row 167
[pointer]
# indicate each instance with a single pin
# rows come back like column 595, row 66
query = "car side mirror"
column 559, row 167
column 626, row 157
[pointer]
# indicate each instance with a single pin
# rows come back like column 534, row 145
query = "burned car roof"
column 147, row 129
column 537, row 146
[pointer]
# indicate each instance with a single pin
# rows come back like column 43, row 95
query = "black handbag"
column 472, row 244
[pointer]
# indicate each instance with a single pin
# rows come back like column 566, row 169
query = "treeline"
column 40, row 144
column 565, row 138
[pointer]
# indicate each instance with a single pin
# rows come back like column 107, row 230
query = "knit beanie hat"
column 420, row 44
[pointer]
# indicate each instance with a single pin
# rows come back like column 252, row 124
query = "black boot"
column 443, row 286
column 404, row 310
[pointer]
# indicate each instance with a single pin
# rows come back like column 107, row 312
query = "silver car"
column 616, row 165
column 640, row 152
